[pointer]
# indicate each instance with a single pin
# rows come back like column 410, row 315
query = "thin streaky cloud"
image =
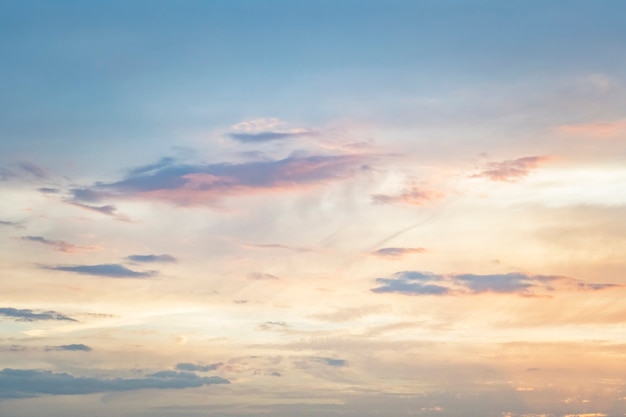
column 396, row 253
column 190, row 185
column 33, row 169
column 594, row 130
column 413, row 196
column 511, row 170
column 75, row 347
column 59, row 245
column 103, row 270
column 32, row 315
column 516, row 283
column 260, row 137
column 164, row 258
column 278, row 246
column 24, row 383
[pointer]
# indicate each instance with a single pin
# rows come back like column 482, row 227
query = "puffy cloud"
column 396, row 253
column 103, row 270
column 511, row 170
column 24, row 383
column 30, row 315
column 165, row 258
column 59, row 245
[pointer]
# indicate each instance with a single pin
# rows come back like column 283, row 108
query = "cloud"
column 30, row 315
column 32, row 169
column 413, row 196
column 245, row 137
column 278, row 246
column 6, row 174
column 332, row 362
column 73, row 348
column 598, row 130
column 9, row 224
column 48, row 190
column 103, row 270
column 497, row 283
column 190, row 367
column 273, row 325
column 426, row 283
column 190, row 185
column 24, row 383
column 259, row 276
column 108, row 209
column 265, row 130
column 59, row 245
column 152, row 258
column 396, row 253
column 511, row 170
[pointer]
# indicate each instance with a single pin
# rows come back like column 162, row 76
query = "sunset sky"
column 312, row 208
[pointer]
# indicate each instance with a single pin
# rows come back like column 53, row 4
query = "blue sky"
column 356, row 208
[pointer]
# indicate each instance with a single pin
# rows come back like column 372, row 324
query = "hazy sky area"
column 312, row 208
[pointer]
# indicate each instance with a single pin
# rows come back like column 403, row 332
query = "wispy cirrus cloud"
column 10, row 224
column 59, row 245
column 164, row 258
column 396, row 253
column 32, row 169
column 260, row 276
column 25, row 383
column 427, row 283
column 189, row 185
column 278, row 246
column 511, row 170
column 103, row 270
column 32, row 315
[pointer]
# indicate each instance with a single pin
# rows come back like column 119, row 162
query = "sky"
column 312, row 208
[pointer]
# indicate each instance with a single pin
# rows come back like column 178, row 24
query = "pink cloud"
column 511, row 170
column 413, row 196
column 595, row 130
column 190, row 185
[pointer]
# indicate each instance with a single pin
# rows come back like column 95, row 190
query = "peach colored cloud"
column 413, row 196
column 511, row 170
column 598, row 130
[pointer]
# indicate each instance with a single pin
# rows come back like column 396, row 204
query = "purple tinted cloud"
column 185, row 184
